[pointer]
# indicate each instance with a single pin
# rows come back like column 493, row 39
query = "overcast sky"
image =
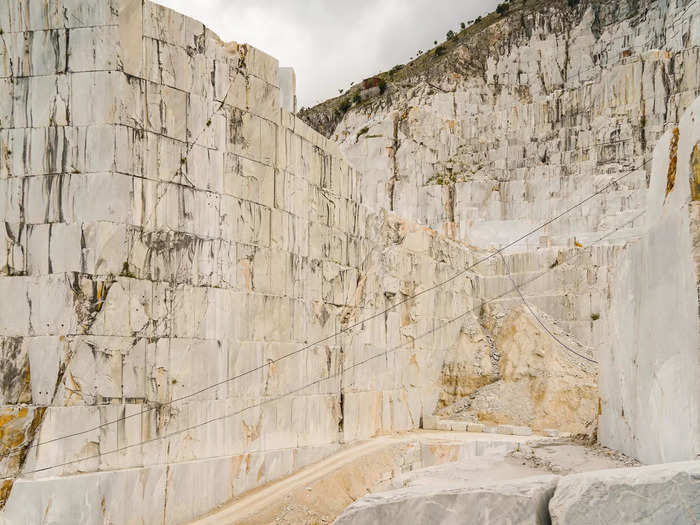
column 330, row 43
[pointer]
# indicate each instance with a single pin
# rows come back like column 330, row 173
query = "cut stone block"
column 288, row 89
column 522, row 431
column 657, row 494
column 505, row 429
column 431, row 422
column 458, row 426
column 518, row 501
column 445, row 426
column 475, row 427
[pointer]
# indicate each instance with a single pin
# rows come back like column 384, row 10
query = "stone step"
column 434, row 422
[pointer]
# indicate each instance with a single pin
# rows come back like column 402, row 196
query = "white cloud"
column 331, row 43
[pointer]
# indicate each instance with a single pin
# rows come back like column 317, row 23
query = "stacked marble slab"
column 166, row 227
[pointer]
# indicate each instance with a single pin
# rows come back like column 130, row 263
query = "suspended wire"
column 18, row 450
column 532, row 312
column 316, row 382
column 344, row 330
column 340, row 332
column 527, row 305
column 576, row 255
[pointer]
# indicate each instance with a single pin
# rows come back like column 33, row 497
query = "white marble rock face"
column 568, row 105
column 575, row 100
column 650, row 364
column 522, row 501
column 166, row 226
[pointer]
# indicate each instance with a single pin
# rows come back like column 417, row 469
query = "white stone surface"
column 520, row 501
column 522, row 431
column 130, row 496
column 649, row 371
column 431, row 422
column 288, row 89
column 167, row 225
column 505, row 429
column 657, row 494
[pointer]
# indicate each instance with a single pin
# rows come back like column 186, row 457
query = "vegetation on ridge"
column 325, row 116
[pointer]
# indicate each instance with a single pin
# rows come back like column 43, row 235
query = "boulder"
column 657, row 494
column 522, row 501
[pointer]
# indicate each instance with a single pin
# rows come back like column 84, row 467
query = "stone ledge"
column 433, row 422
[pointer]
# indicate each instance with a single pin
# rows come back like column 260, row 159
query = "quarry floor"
column 317, row 494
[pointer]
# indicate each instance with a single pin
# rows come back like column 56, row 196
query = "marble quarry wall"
column 523, row 120
column 167, row 226
column 195, row 285
column 649, row 371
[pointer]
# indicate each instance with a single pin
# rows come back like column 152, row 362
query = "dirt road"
column 318, row 493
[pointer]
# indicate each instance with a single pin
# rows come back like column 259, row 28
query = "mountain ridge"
column 449, row 57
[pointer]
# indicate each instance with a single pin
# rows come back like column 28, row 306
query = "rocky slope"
column 536, row 382
column 200, row 295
